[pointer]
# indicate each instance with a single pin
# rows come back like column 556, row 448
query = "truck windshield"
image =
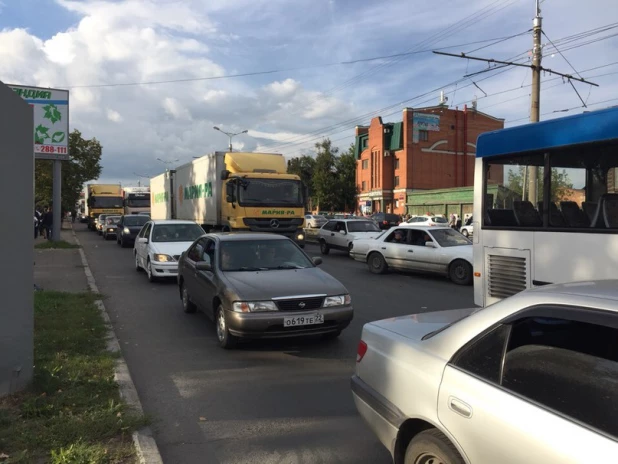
column 105, row 202
column 271, row 192
column 138, row 202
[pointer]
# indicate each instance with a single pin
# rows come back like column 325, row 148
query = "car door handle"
column 459, row 407
column 332, row 235
column 410, row 251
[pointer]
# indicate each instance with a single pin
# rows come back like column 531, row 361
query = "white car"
column 530, row 379
column 467, row 231
column 427, row 221
column 435, row 249
column 159, row 245
column 315, row 221
column 339, row 234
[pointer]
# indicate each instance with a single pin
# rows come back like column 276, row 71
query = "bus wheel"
column 460, row 272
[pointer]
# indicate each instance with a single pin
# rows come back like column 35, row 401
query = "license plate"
column 294, row 321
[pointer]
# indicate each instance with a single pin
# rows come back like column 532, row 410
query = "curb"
column 143, row 439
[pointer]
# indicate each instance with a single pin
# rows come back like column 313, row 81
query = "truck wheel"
column 324, row 248
column 377, row 263
column 432, row 446
column 460, row 272
column 226, row 339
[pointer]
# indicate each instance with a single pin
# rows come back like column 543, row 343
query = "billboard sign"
column 428, row 122
column 51, row 120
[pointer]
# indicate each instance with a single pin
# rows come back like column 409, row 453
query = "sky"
column 306, row 68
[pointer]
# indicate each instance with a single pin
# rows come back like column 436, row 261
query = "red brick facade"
column 440, row 157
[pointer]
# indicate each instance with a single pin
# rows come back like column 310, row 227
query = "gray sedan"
column 261, row 286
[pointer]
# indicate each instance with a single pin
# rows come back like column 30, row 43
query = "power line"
column 564, row 110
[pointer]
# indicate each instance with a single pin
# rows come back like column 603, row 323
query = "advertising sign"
column 428, row 122
column 51, row 120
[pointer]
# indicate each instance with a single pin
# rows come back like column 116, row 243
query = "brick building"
column 432, row 148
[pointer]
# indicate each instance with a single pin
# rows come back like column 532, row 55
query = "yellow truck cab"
column 103, row 199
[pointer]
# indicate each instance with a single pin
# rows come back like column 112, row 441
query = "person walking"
column 48, row 223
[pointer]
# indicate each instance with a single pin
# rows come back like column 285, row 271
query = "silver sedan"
column 531, row 379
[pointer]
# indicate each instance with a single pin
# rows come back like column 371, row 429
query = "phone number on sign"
column 50, row 149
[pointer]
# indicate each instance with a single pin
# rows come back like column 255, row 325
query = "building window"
column 423, row 135
column 364, row 186
column 365, row 164
column 396, row 181
column 396, row 163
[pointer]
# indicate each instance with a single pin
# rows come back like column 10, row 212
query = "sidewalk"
column 58, row 269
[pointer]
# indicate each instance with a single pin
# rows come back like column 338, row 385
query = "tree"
column 346, row 180
column 325, row 176
column 560, row 182
column 84, row 165
column 303, row 167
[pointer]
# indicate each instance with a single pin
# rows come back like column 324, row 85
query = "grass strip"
column 60, row 244
column 72, row 412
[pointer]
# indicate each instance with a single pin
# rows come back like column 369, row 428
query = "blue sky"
column 73, row 43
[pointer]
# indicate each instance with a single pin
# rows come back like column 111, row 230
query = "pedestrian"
column 457, row 222
column 48, row 223
column 73, row 215
column 452, row 222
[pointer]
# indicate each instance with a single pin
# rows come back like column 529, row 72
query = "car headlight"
column 338, row 300
column 300, row 237
column 111, row 230
column 253, row 306
column 126, row 230
column 163, row 258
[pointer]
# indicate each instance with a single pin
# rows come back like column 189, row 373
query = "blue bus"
column 552, row 216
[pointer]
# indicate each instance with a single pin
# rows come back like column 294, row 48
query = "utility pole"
column 230, row 135
column 535, row 99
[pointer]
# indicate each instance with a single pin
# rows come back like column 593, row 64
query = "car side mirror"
column 142, row 240
column 430, row 244
column 317, row 260
column 343, row 232
column 203, row 266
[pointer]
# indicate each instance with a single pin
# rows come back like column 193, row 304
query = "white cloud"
column 113, row 116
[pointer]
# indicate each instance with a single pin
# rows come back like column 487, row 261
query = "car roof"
column 606, row 289
column 424, row 226
column 247, row 236
column 170, row 221
column 351, row 219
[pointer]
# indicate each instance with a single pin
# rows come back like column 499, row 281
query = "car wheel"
column 460, row 272
column 432, row 447
column 138, row 268
column 377, row 263
column 226, row 339
column 151, row 277
column 324, row 248
column 187, row 305
column 465, row 233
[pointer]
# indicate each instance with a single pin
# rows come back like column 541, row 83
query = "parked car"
column 98, row 223
column 427, row 221
column 315, row 221
column 128, row 227
column 467, row 229
column 159, row 245
column 339, row 233
column 110, row 227
column 386, row 220
column 532, row 378
column 440, row 250
column 257, row 285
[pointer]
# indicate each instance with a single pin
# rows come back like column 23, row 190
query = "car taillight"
column 385, row 222
column 362, row 349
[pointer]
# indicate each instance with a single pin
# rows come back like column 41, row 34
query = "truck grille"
column 273, row 224
column 300, row 304
column 507, row 275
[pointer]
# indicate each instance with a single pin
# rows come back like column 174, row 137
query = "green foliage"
column 303, row 167
column 72, row 413
column 560, row 182
column 61, row 244
column 84, row 165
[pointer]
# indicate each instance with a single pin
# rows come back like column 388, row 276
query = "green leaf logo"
column 58, row 137
column 41, row 134
column 52, row 113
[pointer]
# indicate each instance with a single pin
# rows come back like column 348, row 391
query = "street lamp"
column 230, row 134
column 167, row 162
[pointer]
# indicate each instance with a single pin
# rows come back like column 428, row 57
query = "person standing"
column 48, row 223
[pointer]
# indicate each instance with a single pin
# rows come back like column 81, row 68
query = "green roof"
column 360, row 145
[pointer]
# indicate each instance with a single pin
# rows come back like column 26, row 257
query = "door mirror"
column 142, row 240
column 430, row 244
column 203, row 266
column 343, row 232
column 316, row 260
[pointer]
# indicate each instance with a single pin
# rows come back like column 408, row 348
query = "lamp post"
column 230, row 134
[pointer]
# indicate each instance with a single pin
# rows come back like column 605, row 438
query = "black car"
column 256, row 285
column 386, row 220
column 128, row 228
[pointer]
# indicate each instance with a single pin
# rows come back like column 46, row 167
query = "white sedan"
column 436, row 249
column 159, row 245
column 340, row 233
column 530, row 379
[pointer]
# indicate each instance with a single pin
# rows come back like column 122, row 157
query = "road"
column 267, row 402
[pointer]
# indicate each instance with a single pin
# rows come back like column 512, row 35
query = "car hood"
column 169, row 248
column 416, row 326
column 264, row 285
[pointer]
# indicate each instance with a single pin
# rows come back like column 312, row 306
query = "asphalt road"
column 265, row 402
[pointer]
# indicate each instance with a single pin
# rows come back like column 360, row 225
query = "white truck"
column 233, row 192
column 136, row 200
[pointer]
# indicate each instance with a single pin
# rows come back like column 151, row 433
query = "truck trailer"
column 136, row 200
column 103, row 199
column 233, row 192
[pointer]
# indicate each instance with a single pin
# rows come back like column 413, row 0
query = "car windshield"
column 261, row 255
column 112, row 219
column 105, row 202
column 176, row 232
column 102, row 217
column 362, row 226
column 135, row 220
column 449, row 238
column 271, row 192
